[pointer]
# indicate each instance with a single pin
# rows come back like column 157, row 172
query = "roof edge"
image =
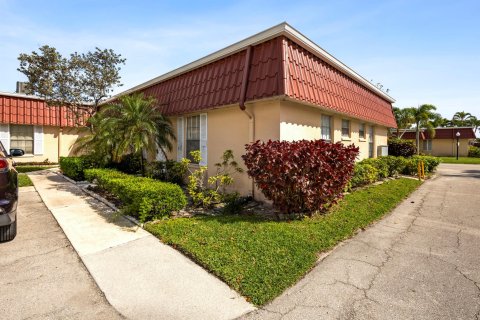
column 20, row 95
column 281, row 29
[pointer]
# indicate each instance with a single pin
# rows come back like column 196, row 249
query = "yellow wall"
column 447, row 148
column 230, row 128
column 50, row 144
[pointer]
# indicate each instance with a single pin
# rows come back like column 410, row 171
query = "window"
column 361, row 131
column 193, row 135
column 371, row 141
column 345, row 128
column 326, row 128
column 21, row 137
column 427, row 145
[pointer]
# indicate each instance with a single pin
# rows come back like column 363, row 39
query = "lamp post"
column 458, row 142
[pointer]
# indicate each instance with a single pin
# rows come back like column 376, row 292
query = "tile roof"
column 31, row 110
column 442, row 133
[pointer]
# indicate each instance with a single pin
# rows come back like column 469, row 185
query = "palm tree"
column 461, row 118
column 140, row 127
column 404, row 118
column 423, row 116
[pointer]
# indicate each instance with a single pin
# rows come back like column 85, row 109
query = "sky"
column 422, row 51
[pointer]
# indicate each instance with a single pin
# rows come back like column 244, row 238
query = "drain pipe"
column 243, row 95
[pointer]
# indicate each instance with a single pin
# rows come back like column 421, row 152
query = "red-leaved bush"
column 301, row 176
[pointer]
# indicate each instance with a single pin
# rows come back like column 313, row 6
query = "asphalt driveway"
column 420, row 262
column 42, row 276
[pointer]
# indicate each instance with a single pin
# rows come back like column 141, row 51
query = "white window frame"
column 327, row 136
column 347, row 137
column 428, row 143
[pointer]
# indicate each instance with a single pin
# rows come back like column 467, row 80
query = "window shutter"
column 203, row 139
column 180, row 131
column 38, row 140
column 5, row 136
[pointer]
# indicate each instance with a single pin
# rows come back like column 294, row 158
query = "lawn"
column 260, row 258
column 463, row 160
column 24, row 180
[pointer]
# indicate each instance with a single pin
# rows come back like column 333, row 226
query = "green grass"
column 261, row 258
column 24, row 169
column 24, row 180
column 463, row 160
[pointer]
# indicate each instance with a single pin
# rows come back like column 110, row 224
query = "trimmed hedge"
column 300, row 176
column 73, row 167
column 401, row 148
column 368, row 171
column 144, row 198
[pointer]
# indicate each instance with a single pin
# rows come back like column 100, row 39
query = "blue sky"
column 423, row 51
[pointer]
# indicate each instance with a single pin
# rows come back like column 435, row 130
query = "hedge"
column 144, row 198
column 370, row 170
column 300, row 176
column 73, row 167
column 474, row 152
column 401, row 148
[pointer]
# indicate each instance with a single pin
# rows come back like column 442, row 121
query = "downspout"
column 243, row 96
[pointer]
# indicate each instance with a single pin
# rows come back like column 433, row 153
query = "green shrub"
column 396, row 165
column 474, row 152
column 144, row 198
column 73, row 167
column 430, row 163
column 130, row 163
column 380, row 164
column 168, row 171
column 363, row 174
column 401, row 148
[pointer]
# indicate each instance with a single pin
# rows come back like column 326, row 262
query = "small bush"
column 363, row 174
column 130, row 163
column 430, row 163
column 144, row 198
column 474, row 152
column 396, row 165
column 380, row 164
column 401, row 148
column 168, row 171
column 73, row 167
column 300, row 176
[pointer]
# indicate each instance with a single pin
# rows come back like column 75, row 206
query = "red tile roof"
column 442, row 133
column 279, row 66
column 22, row 109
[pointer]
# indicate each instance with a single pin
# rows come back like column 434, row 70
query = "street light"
column 458, row 143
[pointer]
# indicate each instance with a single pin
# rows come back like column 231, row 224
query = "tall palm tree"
column 140, row 126
column 404, row 118
column 424, row 115
column 461, row 118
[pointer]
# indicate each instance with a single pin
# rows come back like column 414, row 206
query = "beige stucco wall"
column 50, row 144
column 275, row 119
column 447, row 148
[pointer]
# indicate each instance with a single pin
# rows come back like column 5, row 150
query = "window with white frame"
column 326, row 128
column 361, row 131
column 21, row 137
column 371, row 142
column 193, row 135
column 345, row 128
column 427, row 145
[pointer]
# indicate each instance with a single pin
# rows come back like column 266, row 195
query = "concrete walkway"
column 420, row 262
column 141, row 277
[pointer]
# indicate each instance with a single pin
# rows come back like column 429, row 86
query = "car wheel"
column 9, row 232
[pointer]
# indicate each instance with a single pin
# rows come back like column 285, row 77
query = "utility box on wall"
column 382, row 151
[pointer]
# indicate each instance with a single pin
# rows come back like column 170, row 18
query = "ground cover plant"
column 24, row 180
column 261, row 258
column 24, row 169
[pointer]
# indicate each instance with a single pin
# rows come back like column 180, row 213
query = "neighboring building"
column 274, row 85
column 27, row 123
column 444, row 143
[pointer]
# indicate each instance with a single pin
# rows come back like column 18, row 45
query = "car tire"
column 8, row 233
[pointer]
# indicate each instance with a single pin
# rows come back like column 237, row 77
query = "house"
column 44, row 133
column 444, row 142
column 274, row 85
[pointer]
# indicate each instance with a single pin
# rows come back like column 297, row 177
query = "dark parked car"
column 8, row 195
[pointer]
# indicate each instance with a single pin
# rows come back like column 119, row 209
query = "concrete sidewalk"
column 140, row 276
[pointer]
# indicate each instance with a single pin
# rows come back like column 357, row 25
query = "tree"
column 423, row 116
column 139, row 127
column 404, row 118
column 78, row 83
column 462, row 118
